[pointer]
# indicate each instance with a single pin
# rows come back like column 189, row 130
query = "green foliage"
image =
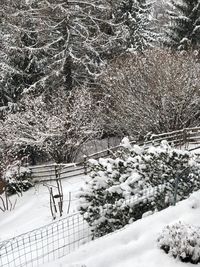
column 136, row 182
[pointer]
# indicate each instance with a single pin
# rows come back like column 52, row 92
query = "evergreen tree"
column 21, row 63
column 54, row 44
column 183, row 30
column 136, row 14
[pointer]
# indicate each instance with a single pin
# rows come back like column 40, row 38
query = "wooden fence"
column 188, row 138
column 50, row 172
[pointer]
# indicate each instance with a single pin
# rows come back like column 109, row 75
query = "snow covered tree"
column 48, row 127
column 183, row 29
column 137, row 16
column 136, row 181
column 20, row 67
column 160, row 18
column 53, row 44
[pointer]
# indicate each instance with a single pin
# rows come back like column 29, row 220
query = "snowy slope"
column 135, row 245
column 32, row 209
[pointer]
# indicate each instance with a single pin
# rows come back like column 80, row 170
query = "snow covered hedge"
column 182, row 241
column 135, row 183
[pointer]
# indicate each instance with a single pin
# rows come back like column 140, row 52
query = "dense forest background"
column 72, row 71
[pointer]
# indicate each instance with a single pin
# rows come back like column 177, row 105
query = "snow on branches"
column 51, row 44
column 48, row 127
column 134, row 183
column 183, row 27
column 181, row 241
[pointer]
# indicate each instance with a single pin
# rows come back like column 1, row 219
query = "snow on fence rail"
column 50, row 172
column 45, row 244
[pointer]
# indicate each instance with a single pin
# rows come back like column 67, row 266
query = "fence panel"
column 48, row 172
column 45, row 244
column 54, row 171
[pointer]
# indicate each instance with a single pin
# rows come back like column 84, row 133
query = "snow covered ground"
column 32, row 209
column 135, row 245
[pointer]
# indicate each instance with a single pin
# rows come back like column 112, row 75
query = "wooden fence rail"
column 181, row 138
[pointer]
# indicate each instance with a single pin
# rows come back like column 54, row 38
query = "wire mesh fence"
column 60, row 238
column 45, row 244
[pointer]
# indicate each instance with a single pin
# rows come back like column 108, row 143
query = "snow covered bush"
column 135, row 182
column 49, row 128
column 25, row 150
column 171, row 167
column 136, row 103
column 17, row 179
column 182, row 241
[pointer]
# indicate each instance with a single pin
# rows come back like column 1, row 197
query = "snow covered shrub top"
column 17, row 178
column 181, row 241
column 136, row 181
column 16, row 172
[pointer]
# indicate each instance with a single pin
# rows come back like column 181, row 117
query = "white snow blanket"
column 135, row 245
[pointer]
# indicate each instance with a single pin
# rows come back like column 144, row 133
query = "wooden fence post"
column 85, row 164
column 185, row 137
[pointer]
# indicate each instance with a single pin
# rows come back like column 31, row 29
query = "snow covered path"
column 32, row 209
column 135, row 245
